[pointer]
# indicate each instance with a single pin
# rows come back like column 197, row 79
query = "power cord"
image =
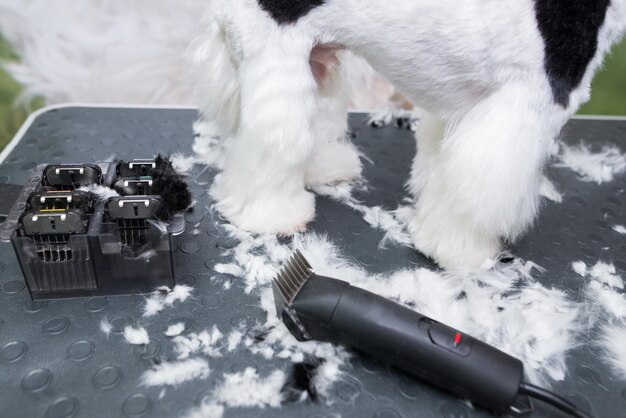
column 553, row 399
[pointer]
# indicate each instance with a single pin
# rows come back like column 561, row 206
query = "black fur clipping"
column 300, row 381
column 570, row 32
column 172, row 187
column 261, row 335
column 289, row 11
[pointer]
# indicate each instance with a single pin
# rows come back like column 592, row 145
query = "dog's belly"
column 444, row 55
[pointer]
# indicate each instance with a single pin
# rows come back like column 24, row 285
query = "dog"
column 498, row 80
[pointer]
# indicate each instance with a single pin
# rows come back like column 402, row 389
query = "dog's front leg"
column 261, row 187
column 429, row 135
column 334, row 157
column 480, row 184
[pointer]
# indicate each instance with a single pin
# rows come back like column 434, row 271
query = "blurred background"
column 130, row 52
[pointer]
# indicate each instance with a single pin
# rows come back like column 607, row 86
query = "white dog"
column 500, row 78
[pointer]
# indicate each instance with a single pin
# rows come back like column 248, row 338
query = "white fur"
column 205, row 342
column 548, row 190
column 206, row 410
column 620, row 229
column 606, row 309
column 122, row 52
column 249, row 389
column 599, row 167
column 183, row 164
column 232, row 269
column 580, row 268
column 607, row 275
column 394, row 223
column 147, row 256
column 234, row 339
column 163, row 297
column 136, row 336
column 101, row 51
column 604, row 290
column 608, row 299
column 101, row 192
column 536, row 324
column 176, row 372
column 613, row 342
column 106, row 327
column 175, row 329
column 481, row 148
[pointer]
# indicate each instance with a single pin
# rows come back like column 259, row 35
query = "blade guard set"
column 71, row 242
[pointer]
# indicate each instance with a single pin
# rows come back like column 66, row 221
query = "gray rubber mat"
column 54, row 361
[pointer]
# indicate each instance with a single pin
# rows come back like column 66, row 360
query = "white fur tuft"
column 106, row 327
column 608, row 299
column 249, row 389
column 101, row 192
column 175, row 329
column 205, row 342
column 206, row 410
column 183, row 164
column 620, row 229
column 608, row 309
column 234, row 339
column 394, row 223
column 548, row 190
column 101, row 52
column 175, row 373
column 613, row 342
column 580, row 268
column 599, row 167
column 136, row 336
column 163, row 297
column 607, row 275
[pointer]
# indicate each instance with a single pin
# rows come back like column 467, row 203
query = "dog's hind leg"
column 261, row 187
column 482, row 186
column 334, row 157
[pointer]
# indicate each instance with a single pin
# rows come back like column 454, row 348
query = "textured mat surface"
column 55, row 362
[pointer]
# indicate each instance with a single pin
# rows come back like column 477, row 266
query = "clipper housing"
column 325, row 309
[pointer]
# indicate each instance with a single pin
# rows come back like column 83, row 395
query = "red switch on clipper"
column 457, row 339
column 450, row 339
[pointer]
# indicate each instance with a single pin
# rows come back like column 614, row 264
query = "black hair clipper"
column 320, row 308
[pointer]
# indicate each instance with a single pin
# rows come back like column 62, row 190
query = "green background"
column 608, row 96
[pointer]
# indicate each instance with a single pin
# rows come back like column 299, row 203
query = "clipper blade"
column 290, row 280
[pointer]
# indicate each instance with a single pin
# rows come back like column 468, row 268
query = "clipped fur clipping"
column 300, row 383
column 172, row 187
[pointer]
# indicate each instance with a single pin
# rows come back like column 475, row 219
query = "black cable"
column 552, row 399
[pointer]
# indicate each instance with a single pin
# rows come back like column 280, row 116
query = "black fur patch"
column 570, row 32
column 289, row 11
column 173, row 188
column 300, row 381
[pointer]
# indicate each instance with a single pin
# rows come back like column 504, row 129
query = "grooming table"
column 55, row 362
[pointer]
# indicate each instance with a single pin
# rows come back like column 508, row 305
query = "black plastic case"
column 95, row 249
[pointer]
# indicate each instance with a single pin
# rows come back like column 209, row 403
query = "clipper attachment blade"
column 290, row 280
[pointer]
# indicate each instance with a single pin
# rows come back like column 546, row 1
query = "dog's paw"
column 452, row 243
column 390, row 113
column 264, row 212
column 333, row 162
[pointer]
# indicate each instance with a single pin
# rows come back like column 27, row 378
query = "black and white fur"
column 499, row 79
